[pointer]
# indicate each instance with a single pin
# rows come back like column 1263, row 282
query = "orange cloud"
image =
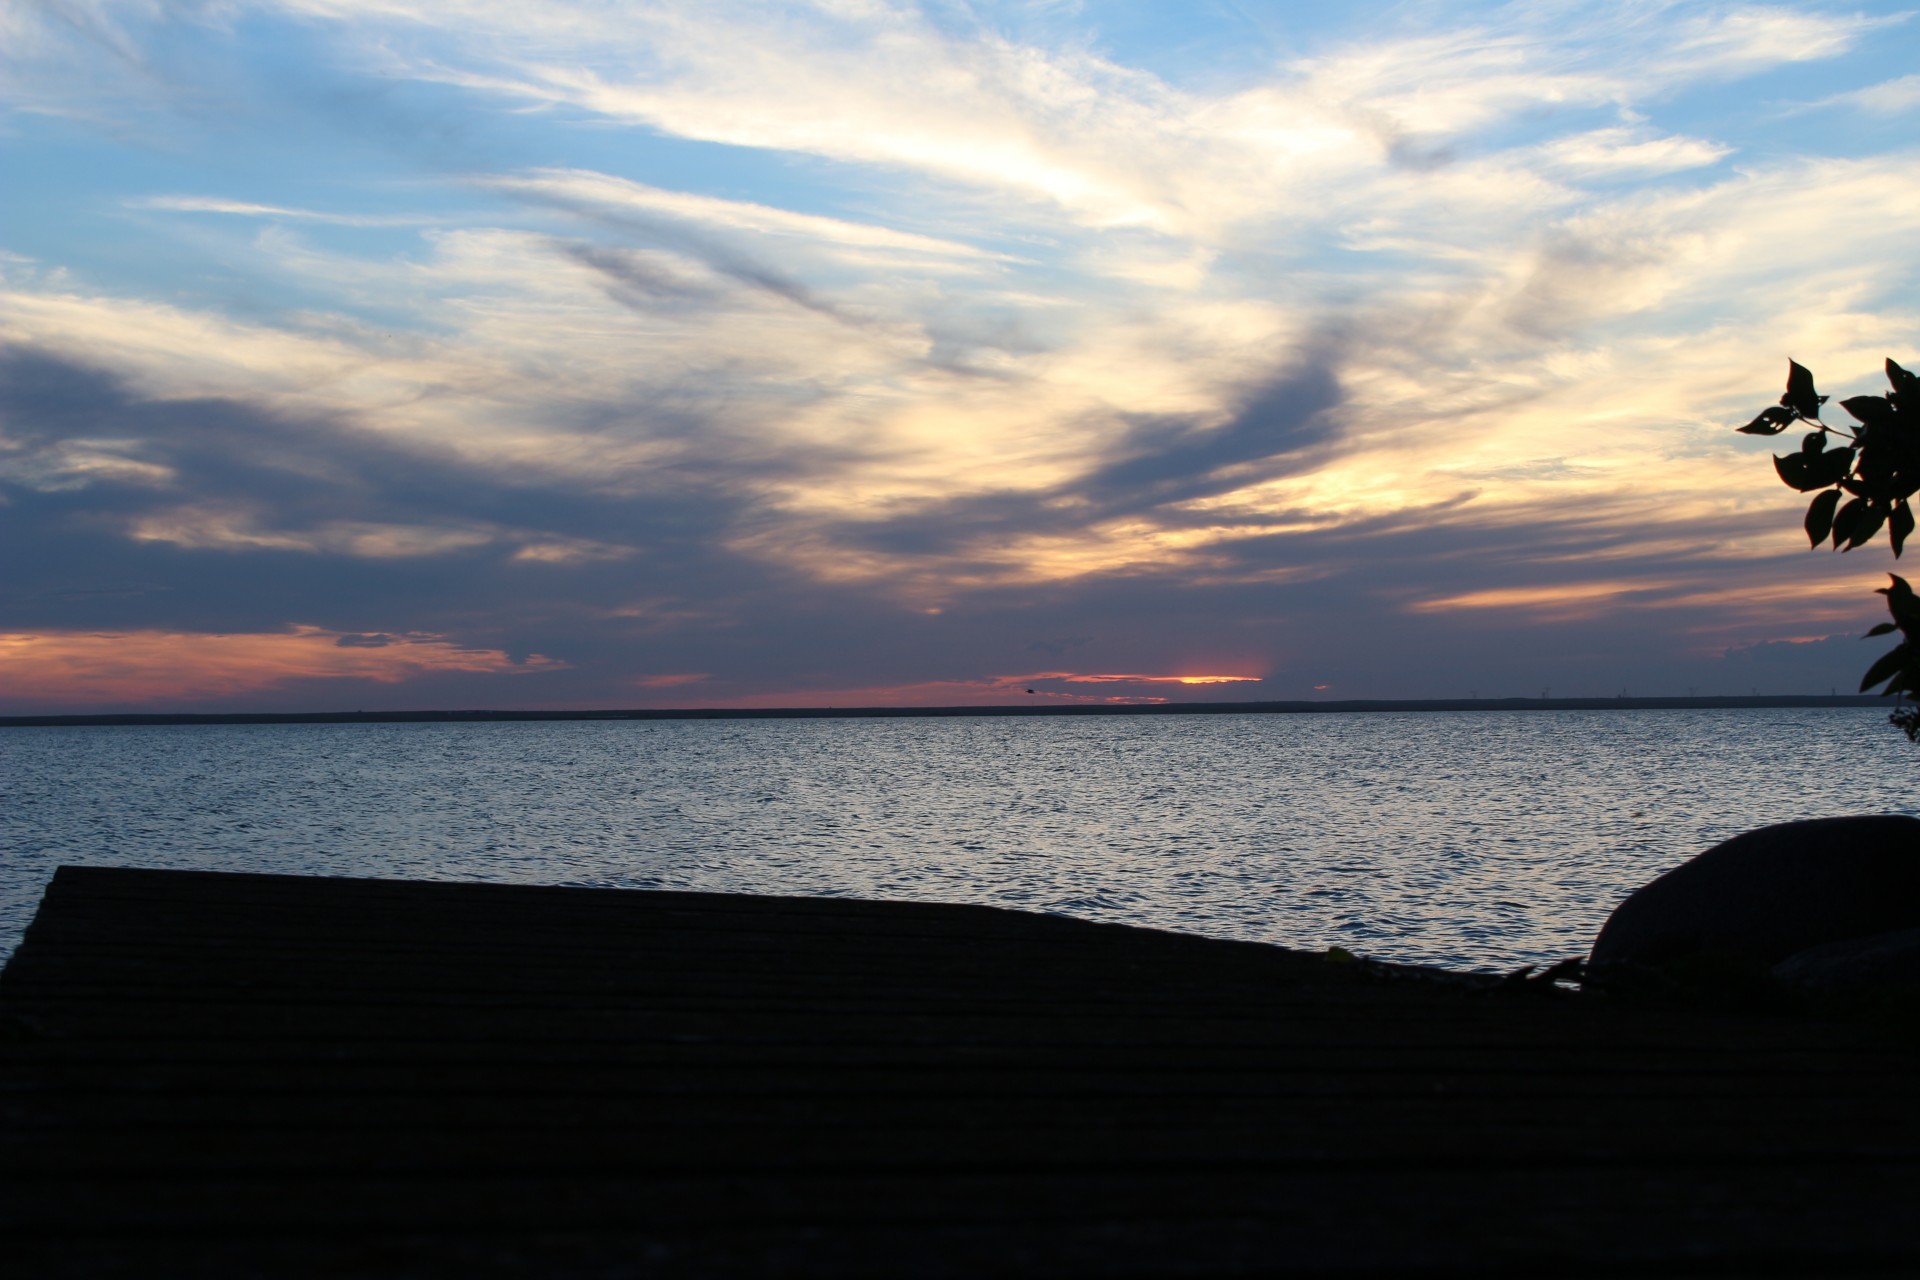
column 1743, row 594
column 991, row 691
column 669, row 681
column 1093, row 678
column 1567, row 599
column 90, row 667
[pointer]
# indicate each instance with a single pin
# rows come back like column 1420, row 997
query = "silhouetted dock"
column 220, row 1075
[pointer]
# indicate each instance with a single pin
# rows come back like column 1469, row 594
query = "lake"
column 1479, row 840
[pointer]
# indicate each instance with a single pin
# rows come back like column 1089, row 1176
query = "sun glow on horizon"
column 1118, row 678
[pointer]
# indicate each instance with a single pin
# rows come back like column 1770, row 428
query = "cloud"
column 586, row 189
column 999, row 690
column 1739, row 39
column 940, row 328
column 1625, row 150
column 1069, row 677
column 1888, row 98
column 248, row 209
column 78, row 464
column 231, row 529
column 669, row 681
column 248, row 517
column 131, row 668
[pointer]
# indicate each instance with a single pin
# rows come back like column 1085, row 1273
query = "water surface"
column 1471, row 839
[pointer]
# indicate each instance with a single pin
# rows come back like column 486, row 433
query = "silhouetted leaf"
column 1771, row 422
column 1871, row 410
column 1862, row 486
column 1844, row 521
column 1807, row 472
column 1886, row 668
column 1820, row 516
column 1901, row 601
column 1879, row 629
column 1828, row 468
column 1866, row 525
column 1878, row 470
column 1800, row 396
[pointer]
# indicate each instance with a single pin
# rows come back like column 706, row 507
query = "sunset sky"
column 475, row 353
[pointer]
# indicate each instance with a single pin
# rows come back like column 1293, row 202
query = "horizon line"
column 1616, row 702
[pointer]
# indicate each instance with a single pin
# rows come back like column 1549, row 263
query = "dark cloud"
column 633, row 282
column 74, row 563
column 640, row 285
column 1281, row 426
column 714, row 252
column 1341, row 605
column 1408, row 153
column 1059, row 647
column 1575, row 276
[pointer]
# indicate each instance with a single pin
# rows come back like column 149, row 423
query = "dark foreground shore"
column 1016, row 709
column 225, row 1075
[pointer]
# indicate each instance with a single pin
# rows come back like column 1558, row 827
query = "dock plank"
column 226, row 1074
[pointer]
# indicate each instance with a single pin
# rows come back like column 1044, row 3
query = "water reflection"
column 1470, row 839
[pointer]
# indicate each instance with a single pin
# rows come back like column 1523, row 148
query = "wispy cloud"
column 1887, row 98
column 587, row 189
column 1426, row 320
column 135, row 668
column 248, row 209
column 231, row 529
column 1624, row 150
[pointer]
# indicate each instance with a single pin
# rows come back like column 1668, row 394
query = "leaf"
column 1800, row 396
column 1886, row 668
column 1771, row 422
column 1820, row 516
column 1879, row 629
column 1903, row 382
column 1877, row 467
column 1844, row 522
column 1830, row 467
column 1899, row 525
column 1815, row 442
column 1807, row 472
column 1901, row 602
column 1872, row 410
column 1866, row 525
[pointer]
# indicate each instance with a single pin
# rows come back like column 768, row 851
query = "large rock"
column 1882, row 962
column 1748, row 904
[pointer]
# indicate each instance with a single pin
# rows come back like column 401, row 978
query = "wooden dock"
column 246, row 1075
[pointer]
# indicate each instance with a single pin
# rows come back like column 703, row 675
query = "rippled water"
column 1472, row 839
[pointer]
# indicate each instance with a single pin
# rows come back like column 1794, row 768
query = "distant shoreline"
column 1070, row 709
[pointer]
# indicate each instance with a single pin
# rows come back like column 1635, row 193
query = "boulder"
column 1748, row 904
column 1881, row 963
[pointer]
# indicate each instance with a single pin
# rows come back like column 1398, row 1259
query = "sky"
column 383, row 354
